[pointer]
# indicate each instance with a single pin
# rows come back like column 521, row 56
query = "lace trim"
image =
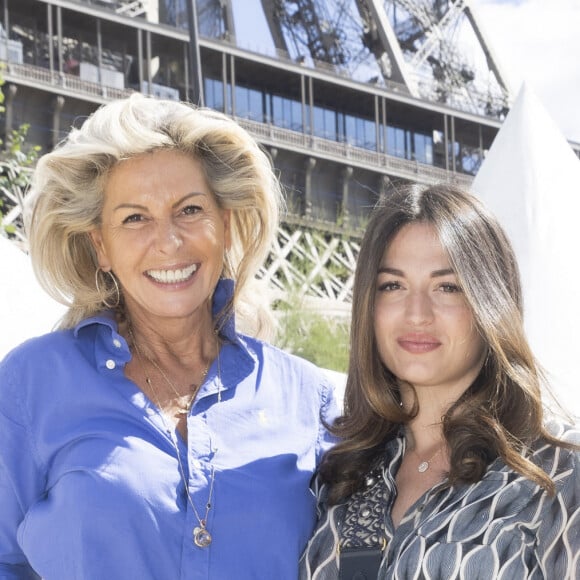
column 364, row 521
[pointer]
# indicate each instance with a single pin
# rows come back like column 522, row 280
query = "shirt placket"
column 196, row 462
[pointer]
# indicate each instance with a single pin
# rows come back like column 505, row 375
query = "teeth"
column 172, row 276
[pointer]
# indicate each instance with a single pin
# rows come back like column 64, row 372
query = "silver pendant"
column 201, row 537
column 423, row 467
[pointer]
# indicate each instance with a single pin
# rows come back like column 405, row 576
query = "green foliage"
column 5, row 228
column 319, row 339
column 16, row 160
column 17, row 150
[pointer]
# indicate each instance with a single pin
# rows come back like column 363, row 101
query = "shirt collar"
column 111, row 351
column 222, row 298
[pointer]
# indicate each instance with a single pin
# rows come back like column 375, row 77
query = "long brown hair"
column 501, row 413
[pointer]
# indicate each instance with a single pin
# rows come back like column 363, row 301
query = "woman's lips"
column 417, row 344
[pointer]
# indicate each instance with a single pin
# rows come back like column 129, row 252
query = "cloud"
column 537, row 42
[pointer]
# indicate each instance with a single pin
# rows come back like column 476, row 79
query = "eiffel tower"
column 347, row 96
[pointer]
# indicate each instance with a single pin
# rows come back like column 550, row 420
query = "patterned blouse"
column 503, row 527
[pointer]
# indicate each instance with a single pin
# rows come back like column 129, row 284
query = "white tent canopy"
column 27, row 310
column 531, row 181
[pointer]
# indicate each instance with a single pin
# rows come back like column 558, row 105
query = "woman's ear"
column 96, row 238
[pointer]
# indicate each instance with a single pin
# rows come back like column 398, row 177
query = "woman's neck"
column 182, row 342
column 425, row 431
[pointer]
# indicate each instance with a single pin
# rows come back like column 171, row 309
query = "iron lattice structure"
column 433, row 49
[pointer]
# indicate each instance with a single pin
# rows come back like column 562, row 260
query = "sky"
column 536, row 41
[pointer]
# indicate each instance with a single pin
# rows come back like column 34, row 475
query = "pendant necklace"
column 426, row 463
column 184, row 408
column 201, row 535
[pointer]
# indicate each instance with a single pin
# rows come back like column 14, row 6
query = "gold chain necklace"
column 201, row 535
column 184, row 408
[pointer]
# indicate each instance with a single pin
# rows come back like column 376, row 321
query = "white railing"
column 344, row 152
column 44, row 76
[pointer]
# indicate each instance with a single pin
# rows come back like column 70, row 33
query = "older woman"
column 148, row 437
column 448, row 468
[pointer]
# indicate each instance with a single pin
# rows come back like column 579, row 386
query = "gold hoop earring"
column 115, row 285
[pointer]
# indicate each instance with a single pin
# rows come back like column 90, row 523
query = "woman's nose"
column 419, row 308
column 168, row 236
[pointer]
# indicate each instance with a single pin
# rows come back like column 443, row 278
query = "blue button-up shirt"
column 90, row 484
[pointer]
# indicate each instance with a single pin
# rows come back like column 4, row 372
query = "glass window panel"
column 396, row 138
column 350, row 129
column 277, row 111
column 419, row 147
column 296, row 116
column 214, row 94
column 242, row 101
column 330, row 124
column 255, row 105
column 319, row 122
column 370, row 135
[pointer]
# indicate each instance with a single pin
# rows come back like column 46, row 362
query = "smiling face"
column 424, row 327
column 163, row 235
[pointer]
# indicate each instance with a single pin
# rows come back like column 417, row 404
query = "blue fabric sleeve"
column 19, row 477
column 329, row 411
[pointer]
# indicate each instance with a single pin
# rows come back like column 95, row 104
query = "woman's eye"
column 449, row 287
column 191, row 209
column 389, row 286
column 133, row 218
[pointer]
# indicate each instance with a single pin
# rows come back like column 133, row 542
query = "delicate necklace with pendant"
column 201, row 535
column 426, row 463
column 184, row 408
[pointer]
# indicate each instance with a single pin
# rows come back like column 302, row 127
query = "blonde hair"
column 66, row 196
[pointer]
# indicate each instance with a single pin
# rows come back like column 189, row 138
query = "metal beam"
column 270, row 12
column 194, row 55
column 492, row 61
column 390, row 44
column 436, row 33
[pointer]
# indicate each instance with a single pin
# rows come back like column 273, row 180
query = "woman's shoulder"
column 559, row 461
column 34, row 362
column 564, row 430
column 38, row 347
column 54, row 345
column 290, row 367
column 286, row 360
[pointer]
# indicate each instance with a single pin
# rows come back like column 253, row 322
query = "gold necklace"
column 201, row 535
column 183, row 408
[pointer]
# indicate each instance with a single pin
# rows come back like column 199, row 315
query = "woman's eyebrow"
column 397, row 272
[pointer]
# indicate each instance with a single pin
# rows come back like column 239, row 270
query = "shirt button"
column 196, row 463
column 110, row 364
column 117, row 343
